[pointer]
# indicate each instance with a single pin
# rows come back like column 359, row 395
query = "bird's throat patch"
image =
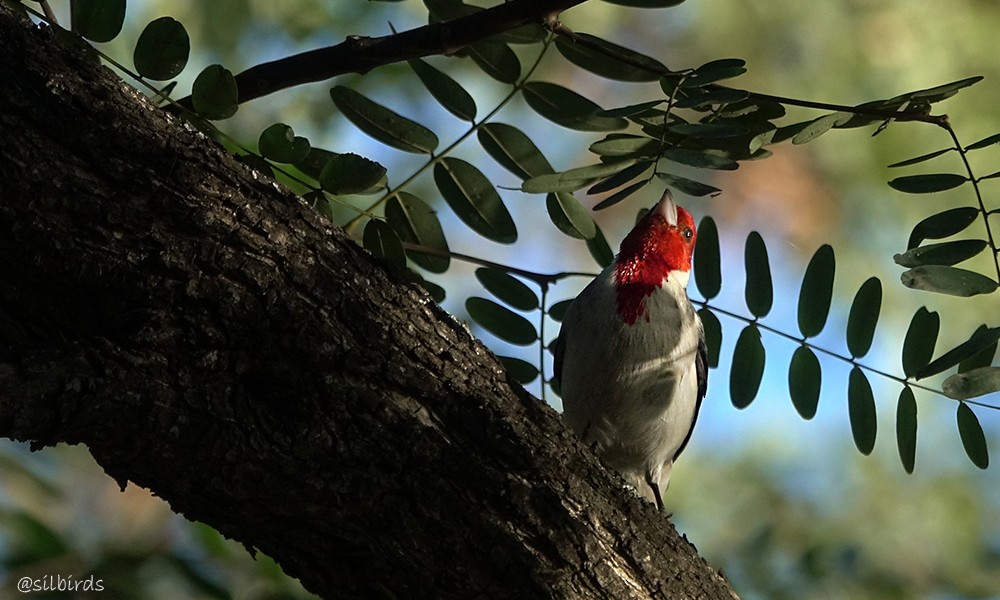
column 634, row 283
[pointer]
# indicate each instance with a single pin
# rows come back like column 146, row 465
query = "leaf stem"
column 544, row 279
column 979, row 196
column 390, row 192
column 559, row 29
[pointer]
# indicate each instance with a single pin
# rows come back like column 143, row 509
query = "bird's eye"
column 688, row 233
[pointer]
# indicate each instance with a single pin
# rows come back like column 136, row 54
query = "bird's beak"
column 667, row 208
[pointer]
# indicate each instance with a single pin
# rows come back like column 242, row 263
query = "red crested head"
column 660, row 244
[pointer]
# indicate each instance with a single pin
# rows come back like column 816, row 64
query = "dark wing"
column 557, row 349
column 701, row 369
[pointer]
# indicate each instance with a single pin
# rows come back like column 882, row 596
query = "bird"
column 630, row 360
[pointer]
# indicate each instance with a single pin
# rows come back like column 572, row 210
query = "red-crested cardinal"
column 631, row 357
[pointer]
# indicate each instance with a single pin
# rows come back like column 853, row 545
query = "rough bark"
column 210, row 337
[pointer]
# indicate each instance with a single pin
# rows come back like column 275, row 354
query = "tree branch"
column 210, row 337
column 360, row 54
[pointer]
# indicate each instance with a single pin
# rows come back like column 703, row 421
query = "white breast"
column 631, row 389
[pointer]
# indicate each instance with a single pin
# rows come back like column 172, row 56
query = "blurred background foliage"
column 786, row 508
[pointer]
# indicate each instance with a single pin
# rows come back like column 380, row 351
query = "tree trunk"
column 210, row 337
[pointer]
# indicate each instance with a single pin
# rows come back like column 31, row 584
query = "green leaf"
column 760, row 140
column 567, row 108
column 804, row 381
column 984, row 143
column 446, row 10
column 521, row 370
column 608, row 60
column 316, row 200
column 474, row 199
column 497, row 60
column 98, row 20
column 553, row 182
column 569, row 216
column 713, row 335
column 162, row 49
column 312, row 165
column 652, row 122
column 921, row 336
column 927, row 184
column 513, row 150
column 625, row 144
column 906, row 428
column 861, row 409
column 982, row 358
column 942, row 225
column 708, row 259
column 818, row 127
column 972, row 384
column 507, row 288
column 759, row 291
column 445, row 90
column 350, row 174
column 940, row 92
column 383, row 124
column 381, row 240
column 436, row 292
column 863, row 317
column 948, row 280
column 532, row 33
column 280, row 144
column 946, row 253
column 620, row 195
column 574, row 179
column 973, row 439
column 716, row 70
column 816, row 292
column 501, row 321
column 646, row 3
column 982, row 338
column 416, row 223
column 707, row 131
column 688, row 186
column 753, row 110
column 748, row 367
column 920, row 159
column 710, row 97
column 214, row 93
column 598, row 170
column 620, row 178
column 702, row 160
column 788, row 131
column 600, row 250
column 557, row 312
column 631, row 109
